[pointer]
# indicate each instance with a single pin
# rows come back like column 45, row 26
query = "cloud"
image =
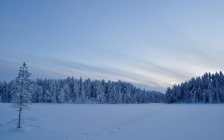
column 153, row 48
column 71, row 68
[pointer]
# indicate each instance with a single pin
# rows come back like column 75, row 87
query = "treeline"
column 76, row 91
column 208, row 88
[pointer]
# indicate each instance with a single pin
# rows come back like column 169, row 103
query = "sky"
column 150, row 43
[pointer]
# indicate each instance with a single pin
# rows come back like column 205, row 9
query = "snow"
column 114, row 122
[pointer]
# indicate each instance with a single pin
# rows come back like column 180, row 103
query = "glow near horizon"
column 153, row 44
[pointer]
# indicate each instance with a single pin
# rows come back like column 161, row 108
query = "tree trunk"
column 20, row 111
column 19, row 121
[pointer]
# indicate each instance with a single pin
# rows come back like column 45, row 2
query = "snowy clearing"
column 114, row 122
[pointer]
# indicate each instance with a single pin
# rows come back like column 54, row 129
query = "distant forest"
column 208, row 88
column 78, row 91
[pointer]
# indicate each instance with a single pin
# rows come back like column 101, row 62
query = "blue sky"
column 150, row 43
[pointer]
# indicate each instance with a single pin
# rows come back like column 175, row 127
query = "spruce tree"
column 22, row 90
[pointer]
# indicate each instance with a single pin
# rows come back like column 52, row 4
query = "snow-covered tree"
column 75, row 96
column 61, row 96
column 53, row 91
column 82, row 93
column 0, row 91
column 5, row 94
column 36, row 93
column 100, row 97
column 208, row 88
column 72, row 90
column 22, row 90
column 87, row 89
column 47, row 97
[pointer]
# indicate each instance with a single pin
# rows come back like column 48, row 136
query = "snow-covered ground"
column 114, row 122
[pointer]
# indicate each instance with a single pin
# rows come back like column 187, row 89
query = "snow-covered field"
column 114, row 122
